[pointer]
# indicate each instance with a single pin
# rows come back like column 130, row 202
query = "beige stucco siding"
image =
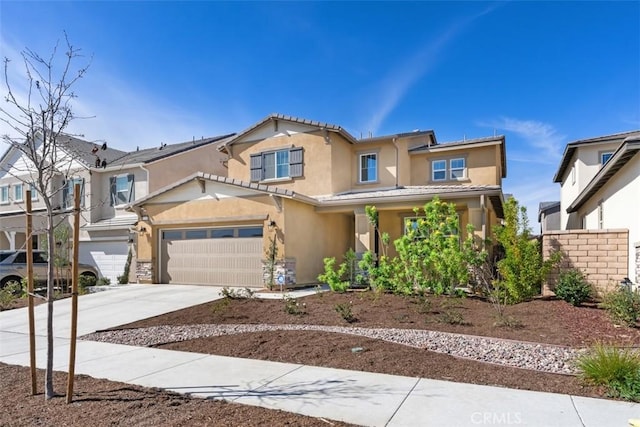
column 166, row 171
column 317, row 168
column 481, row 163
column 203, row 213
column 387, row 171
column 310, row 237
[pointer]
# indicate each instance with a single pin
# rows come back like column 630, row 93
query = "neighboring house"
column 600, row 188
column 305, row 185
column 110, row 179
column 549, row 216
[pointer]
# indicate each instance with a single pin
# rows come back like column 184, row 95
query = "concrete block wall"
column 602, row 255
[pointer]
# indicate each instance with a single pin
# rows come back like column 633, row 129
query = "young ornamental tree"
column 37, row 110
column 521, row 270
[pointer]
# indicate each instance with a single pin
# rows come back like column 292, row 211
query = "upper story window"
column 439, row 170
column 604, row 157
column 368, row 167
column 34, row 192
column 122, row 190
column 4, row 194
column 457, row 168
column 18, row 192
column 69, row 188
column 454, row 169
column 277, row 164
column 573, row 175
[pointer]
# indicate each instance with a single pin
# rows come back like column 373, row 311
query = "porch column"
column 478, row 218
column 362, row 231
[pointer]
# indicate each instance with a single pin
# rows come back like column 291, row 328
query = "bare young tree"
column 37, row 116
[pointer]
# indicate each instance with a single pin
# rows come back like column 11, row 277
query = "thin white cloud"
column 117, row 112
column 398, row 82
column 541, row 137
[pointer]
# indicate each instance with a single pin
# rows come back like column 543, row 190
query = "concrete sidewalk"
column 356, row 397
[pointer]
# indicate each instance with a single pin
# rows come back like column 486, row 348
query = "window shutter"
column 295, row 162
column 256, row 167
column 112, row 190
column 131, row 188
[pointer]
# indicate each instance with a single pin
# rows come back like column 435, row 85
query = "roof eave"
column 617, row 161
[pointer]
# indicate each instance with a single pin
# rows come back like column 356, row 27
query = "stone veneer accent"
column 284, row 273
column 144, row 271
column 602, row 255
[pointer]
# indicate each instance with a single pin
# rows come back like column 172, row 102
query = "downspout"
column 483, row 217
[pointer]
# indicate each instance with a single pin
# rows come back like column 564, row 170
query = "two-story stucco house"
column 305, row 185
column 110, row 180
column 600, row 188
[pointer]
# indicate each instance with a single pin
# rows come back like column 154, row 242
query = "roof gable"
column 201, row 186
column 571, row 148
column 278, row 124
column 629, row 148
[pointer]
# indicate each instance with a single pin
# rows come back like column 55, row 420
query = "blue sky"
column 541, row 73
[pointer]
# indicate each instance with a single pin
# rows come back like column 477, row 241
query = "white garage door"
column 229, row 256
column 108, row 257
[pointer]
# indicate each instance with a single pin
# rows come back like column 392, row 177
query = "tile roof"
column 293, row 119
column 418, row 190
column 84, row 150
column 149, row 155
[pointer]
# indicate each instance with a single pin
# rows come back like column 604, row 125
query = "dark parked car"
column 13, row 267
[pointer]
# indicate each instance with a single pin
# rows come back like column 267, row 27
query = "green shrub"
column 521, row 270
column 123, row 279
column 103, row 281
column 616, row 369
column 345, row 311
column 11, row 292
column 623, row 305
column 293, row 307
column 86, row 282
column 336, row 279
column 573, row 288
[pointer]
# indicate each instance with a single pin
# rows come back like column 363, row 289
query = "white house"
column 600, row 188
column 110, row 180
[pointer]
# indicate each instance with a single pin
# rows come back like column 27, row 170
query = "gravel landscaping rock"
column 539, row 357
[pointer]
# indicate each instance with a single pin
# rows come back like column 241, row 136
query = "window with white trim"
column 604, row 157
column 69, row 188
column 122, row 189
column 457, row 168
column 439, row 170
column 573, row 175
column 277, row 164
column 34, row 192
column 4, row 194
column 18, row 192
column 368, row 167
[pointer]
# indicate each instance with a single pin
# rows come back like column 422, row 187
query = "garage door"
column 229, row 256
column 108, row 257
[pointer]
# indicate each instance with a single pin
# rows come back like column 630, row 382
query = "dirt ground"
column 101, row 402
column 106, row 403
column 541, row 320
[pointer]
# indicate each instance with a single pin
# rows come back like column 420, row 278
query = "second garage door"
column 229, row 256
